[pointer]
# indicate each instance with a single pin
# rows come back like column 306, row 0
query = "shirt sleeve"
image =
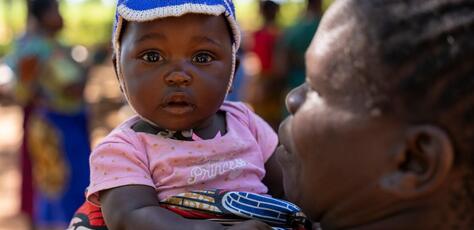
column 117, row 161
column 266, row 137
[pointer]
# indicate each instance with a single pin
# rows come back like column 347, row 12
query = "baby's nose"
column 296, row 98
column 178, row 78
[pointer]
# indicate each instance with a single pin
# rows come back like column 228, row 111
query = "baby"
column 175, row 61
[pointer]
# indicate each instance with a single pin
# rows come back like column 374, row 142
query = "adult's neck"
column 436, row 210
column 268, row 23
column 313, row 11
column 34, row 28
column 46, row 33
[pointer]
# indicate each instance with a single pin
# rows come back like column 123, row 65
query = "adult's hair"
column 36, row 8
column 314, row 4
column 269, row 9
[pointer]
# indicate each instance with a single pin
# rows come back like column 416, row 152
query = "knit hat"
column 148, row 10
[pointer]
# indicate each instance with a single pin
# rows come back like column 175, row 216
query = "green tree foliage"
column 87, row 23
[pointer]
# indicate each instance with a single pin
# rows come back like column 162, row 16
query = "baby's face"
column 332, row 153
column 177, row 69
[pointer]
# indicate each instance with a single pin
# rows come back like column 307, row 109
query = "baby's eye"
column 202, row 58
column 152, row 57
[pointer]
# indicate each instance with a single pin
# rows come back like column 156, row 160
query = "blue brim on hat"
column 147, row 10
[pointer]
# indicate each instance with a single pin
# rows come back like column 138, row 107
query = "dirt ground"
column 106, row 111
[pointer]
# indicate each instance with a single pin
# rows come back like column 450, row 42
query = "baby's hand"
column 249, row 225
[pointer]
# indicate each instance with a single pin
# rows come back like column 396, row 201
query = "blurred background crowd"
column 59, row 94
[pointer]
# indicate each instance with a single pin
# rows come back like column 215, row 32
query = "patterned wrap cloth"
column 224, row 207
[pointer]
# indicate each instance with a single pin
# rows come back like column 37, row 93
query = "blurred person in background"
column 49, row 85
column 265, row 89
column 289, row 61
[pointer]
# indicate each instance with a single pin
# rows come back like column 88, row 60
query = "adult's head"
column 46, row 15
column 269, row 10
column 382, row 133
column 314, row 6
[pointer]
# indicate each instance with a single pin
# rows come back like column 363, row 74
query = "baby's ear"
column 114, row 62
column 421, row 164
column 237, row 64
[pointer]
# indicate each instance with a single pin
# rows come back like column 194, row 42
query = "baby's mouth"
column 178, row 104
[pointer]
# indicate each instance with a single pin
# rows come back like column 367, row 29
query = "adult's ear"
column 422, row 162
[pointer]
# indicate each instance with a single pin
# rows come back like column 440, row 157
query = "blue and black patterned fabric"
column 224, row 207
column 230, row 207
